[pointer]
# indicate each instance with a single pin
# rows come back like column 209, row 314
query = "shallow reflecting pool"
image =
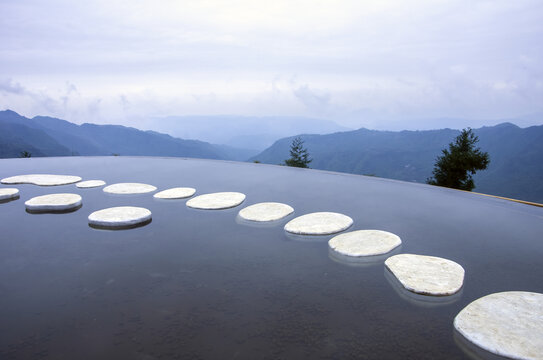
column 201, row 284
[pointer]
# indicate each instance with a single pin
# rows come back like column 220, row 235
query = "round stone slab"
column 216, row 201
column 129, row 188
column 508, row 324
column 319, row 223
column 364, row 243
column 266, row 211
column 54, row 202
column 121, row 216
column 8, row 193
column 175, row 193
column 90, row 184
column 41, row 179
column 426, row 275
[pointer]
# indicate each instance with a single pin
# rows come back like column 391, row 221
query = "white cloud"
column 361, row 63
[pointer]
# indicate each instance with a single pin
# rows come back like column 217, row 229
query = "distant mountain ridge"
column 516, row 156
column 47, row 136
column 248, row 132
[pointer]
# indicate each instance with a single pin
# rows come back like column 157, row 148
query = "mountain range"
column 246, row 132
column 515, row 170
column 516, row 154
column 47, row 136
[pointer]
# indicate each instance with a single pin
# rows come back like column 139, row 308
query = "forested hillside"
column 516, row 166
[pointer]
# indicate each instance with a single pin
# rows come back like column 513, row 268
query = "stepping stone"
column 426, row 275
column 266, row 211
column 90, row 184
column 364, row 243
column 175, row 193
column 319, row 223
column 41, row 179
column 129, row 188
column 53, row 202
column 8, row 194
column 508, row 324
column 216, row 201
column 121, row 216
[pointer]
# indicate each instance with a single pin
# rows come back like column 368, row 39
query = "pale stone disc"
column 42, row 179
column 216, row 201
column 266, row 211
column 319, row 223
column 54, row 202
column 426, row 275
column 8, row 193
column 129, row 188
column 120, row 216
column 175, row 193
column 90, row 184
column 364, row 243
column 508, row 324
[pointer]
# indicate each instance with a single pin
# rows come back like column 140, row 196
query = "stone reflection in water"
column 362, row 261
column 8, row 194
column 473, row 351
column 419, row 299
column 120, row 217
column 63, row 202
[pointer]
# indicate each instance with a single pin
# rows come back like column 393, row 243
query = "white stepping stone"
column 216, row 201
column 90, row 184
column 41, row 179
column 426, row 275
column 319, row 223
column 54, row 202
column 508, row 324
column 364, row 243
column 175, row 193
column 121, row 216
column 129, row 188
column 8, row 193
column 266, row 211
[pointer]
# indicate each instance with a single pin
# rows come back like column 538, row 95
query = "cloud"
column 356, row 62
column 316, row 101
column 7, row 85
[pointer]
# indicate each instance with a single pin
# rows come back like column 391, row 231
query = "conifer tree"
column 456, row 166
column 299, row 157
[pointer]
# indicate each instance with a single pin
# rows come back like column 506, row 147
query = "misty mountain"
column 248, row 132
column 46, row 136
column 515, row 168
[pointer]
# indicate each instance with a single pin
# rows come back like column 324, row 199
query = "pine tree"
column 456, row 166
column 299, row 157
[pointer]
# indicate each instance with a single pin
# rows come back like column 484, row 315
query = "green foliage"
column 256, row 161
column 456, row 166
column 299, row 157
column 25, row 154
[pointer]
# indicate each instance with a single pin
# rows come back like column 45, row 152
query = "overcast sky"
column 378, row 64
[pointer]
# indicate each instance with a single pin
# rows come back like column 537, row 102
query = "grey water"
column 196, row 284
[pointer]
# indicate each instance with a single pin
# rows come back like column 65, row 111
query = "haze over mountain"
column 246, row 132
column 46, row 136
column 515, row 168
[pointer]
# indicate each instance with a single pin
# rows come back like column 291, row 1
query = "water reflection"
column 309, row 238
column 473, row 351
column 123, row 227
column 262, row 224
column 419, row 299
column 362, row 261
column 10, row 199
column 67, row 211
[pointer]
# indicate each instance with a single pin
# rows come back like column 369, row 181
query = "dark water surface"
column 197, row 284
